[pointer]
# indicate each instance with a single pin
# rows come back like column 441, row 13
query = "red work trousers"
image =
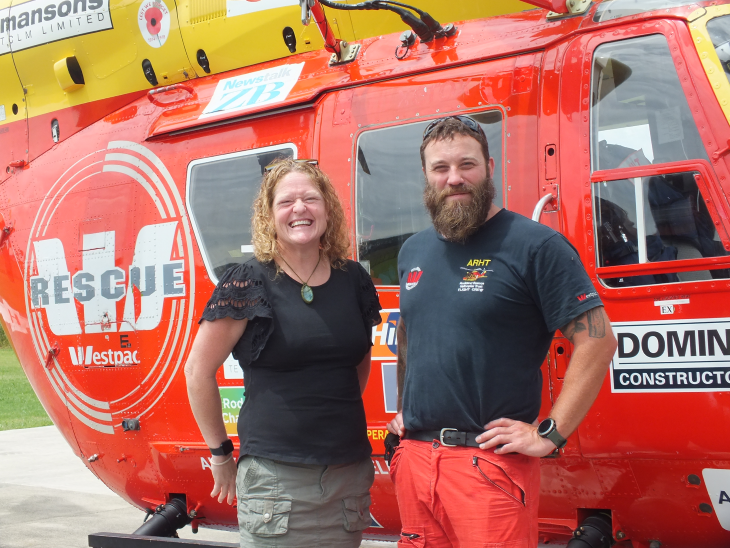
column 465, row 497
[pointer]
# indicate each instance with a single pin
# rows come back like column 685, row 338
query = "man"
column 482, row 293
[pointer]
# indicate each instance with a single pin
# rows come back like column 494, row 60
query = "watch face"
column 545, row 426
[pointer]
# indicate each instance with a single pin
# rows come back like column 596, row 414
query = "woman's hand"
column 224, row 476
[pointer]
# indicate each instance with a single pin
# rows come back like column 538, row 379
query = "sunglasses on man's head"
column 470, row 123
column 275, row 163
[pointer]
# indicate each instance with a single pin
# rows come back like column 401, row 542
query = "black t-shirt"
column 302, row 395
column 480, row 317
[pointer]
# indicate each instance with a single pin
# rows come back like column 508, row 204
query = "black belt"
column 449, row 437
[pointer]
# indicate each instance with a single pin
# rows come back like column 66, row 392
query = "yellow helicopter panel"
column 97, row 52
column 222, row 35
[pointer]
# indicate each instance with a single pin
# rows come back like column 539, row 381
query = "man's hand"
column 224, row 476
column 396, row 426
column 514, row 437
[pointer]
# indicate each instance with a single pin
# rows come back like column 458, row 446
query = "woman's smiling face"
column 300, row 215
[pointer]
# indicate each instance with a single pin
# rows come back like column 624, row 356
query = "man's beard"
column 458, row 219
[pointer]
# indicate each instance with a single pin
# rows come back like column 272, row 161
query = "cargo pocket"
column 412, row 537
column 394, row 462
column 357, row 513
column 497, row 477
column 267, row 516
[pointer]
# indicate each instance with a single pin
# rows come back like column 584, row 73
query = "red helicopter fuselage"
column 615, row 127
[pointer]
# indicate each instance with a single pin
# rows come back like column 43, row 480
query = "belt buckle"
column 441, row 437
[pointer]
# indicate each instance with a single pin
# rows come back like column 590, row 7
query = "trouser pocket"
column 265, row 516
column 356, row 512
column 496, row 476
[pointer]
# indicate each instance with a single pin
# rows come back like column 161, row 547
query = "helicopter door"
column 652, row 239
column 373, row 134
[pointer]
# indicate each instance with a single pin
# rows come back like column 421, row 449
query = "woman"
column 298, row 318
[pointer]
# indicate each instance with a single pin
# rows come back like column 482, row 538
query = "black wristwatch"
column 547, row 429
column 226, row 448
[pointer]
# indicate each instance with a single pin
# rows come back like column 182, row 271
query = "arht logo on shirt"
column 475, row 270
column 413, row 276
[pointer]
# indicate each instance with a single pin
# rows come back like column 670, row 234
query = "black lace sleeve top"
column 302, row 395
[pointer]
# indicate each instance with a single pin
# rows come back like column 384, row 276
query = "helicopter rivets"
column 620, row 535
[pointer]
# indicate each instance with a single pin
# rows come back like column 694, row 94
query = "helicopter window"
column 390, row 190
column 613, row 9
column 220, row 193
column 639, row 114
column 654, row 219
column 719, row 31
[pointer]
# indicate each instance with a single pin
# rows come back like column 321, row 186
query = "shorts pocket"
column 412, row 537
column 357, row 513
column 267, row 516
column 496, row 476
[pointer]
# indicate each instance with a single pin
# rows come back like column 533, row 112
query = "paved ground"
column 50, row 500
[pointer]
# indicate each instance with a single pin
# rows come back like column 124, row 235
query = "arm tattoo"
column 402, row 351
column 592, row 320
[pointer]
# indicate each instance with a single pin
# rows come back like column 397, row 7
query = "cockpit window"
column 220, row 193
column 640, row 117
column 389, row 189
column 639, row 113
column 613, row 9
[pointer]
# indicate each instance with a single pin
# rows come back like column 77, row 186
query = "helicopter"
column 132, row 132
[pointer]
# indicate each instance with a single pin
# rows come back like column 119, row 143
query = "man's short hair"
column 446, row 129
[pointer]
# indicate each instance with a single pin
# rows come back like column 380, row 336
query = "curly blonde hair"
column 334, row 243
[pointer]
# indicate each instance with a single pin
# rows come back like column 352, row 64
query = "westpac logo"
column 149, row 280
column 264, row 87
column 87, row 357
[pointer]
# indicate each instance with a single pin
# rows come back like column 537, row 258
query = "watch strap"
column 555, row 437
column 552, row 433
column 225, row 448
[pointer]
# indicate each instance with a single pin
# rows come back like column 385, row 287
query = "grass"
column 19, row 406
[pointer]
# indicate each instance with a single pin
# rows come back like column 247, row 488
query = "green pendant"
column 307, row 294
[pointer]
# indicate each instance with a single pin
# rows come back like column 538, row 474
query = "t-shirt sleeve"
column 559, row 283
column 240, row 294
column 369, row 300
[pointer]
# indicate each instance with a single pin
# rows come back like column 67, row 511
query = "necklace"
column 307, row 293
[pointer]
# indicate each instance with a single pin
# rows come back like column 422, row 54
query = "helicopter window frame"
column 189, row 183
column 500, row 168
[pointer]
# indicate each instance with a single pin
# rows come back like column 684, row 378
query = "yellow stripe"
column 708, row 56
column 111, row 60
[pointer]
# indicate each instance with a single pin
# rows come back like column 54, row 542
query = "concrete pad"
column 51, row 500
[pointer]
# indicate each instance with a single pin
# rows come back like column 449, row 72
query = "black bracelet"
column 226, row 448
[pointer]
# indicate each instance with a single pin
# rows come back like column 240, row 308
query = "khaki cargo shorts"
column 292, row 505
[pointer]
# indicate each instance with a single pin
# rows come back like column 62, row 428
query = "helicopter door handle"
column 18, row 163
column 721, row 152
column 52, row 353
column 5, row 233
column 155, row 95
column 537, row 212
